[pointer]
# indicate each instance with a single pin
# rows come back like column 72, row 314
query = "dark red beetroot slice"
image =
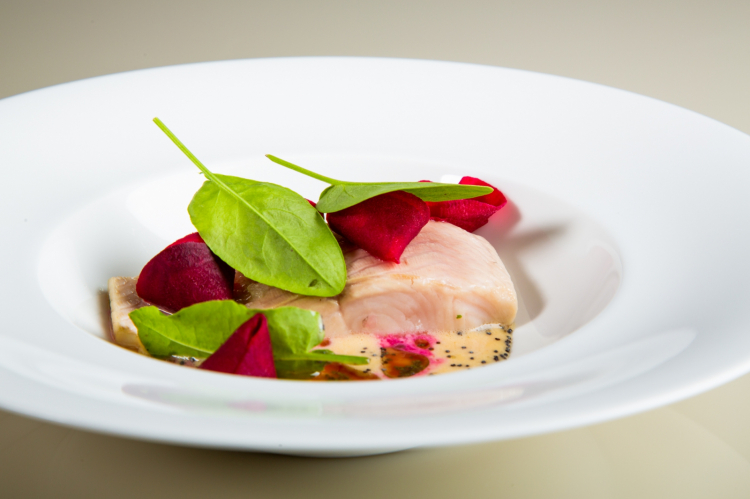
column 384, row 225
column 184, row 273
column 495, row 198
column 469, row 214
column 247, row 352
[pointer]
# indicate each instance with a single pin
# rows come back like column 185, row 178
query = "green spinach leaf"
column 341, row 194
column 195, row 331
column 200, row 329
column 269, row 233
column 306, row 369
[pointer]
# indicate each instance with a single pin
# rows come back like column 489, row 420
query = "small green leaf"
column 298, row 369
column 296, row 331
column 329, row 356
column 267, row 232
column 200, row 329
column 343, row 194
column 305, row 369
column 339, row 197
column 195, row 331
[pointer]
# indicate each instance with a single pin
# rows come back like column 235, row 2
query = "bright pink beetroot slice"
column 384, row 225
column 495, row 198
column 469, row 214
column 184, row 273
column 247, row 352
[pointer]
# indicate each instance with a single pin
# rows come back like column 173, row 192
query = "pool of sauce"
column 425, row 354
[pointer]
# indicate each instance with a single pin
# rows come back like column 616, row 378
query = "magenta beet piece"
column 184, row 273
column 469, row 214
column 247, row 352
column 190, row 238
column 383, row 225
column 495, row 198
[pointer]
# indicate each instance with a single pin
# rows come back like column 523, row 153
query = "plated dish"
column 625, row 240
column 373, row 281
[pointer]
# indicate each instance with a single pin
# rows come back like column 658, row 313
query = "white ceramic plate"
column 627, row 240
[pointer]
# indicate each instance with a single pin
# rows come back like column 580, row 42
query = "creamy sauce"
column 422, row 354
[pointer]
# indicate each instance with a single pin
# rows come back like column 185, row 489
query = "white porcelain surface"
column 627, row 239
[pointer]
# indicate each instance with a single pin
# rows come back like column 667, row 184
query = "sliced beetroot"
column 247, row 352
column 383, row 225
column 495, row 198
column 469, row 214
column 190, row 238
column 465, row 213
column 185, row 273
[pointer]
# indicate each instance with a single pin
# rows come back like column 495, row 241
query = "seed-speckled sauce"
column 422, row 354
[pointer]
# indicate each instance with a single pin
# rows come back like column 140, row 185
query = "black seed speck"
column 496, row 358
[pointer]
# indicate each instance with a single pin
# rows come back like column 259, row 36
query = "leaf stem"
column 326, row 357
column 305, row 171
column 195, row 160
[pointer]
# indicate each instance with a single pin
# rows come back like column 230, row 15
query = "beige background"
column 693, row 54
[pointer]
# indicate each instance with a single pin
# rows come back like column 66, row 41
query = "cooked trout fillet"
column 448, row 280
column 122, row 300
